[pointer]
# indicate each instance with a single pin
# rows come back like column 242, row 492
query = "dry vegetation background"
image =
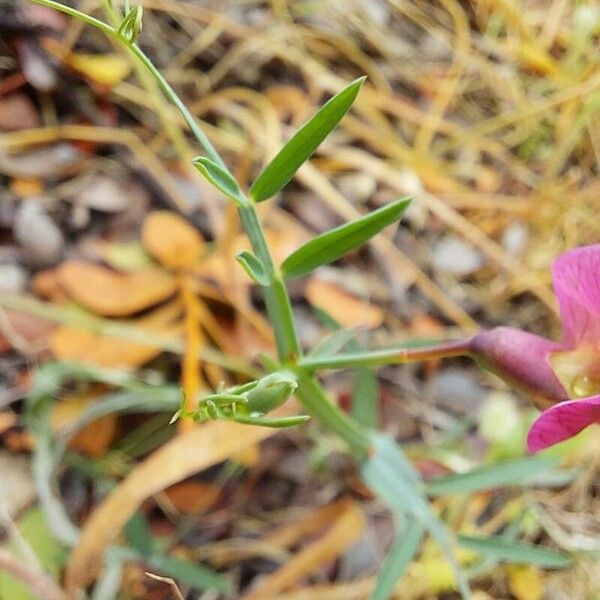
column 485, row 111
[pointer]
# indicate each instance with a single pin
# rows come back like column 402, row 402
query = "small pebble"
column 515, row 238
column 454, row 256
column 38, row 235
column 13, row 279
column 456, row 389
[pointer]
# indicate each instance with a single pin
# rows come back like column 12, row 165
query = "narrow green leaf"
column 403, row 549
column 392, row 478
column 220, row 179
column 333, row 244
column 189, row 573
column 138, row 533
column 519, row 471
column 254, row 268
column 333, row 343
column 300, row 147
column 500, row 548
column 273, row 422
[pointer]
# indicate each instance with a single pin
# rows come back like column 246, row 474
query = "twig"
column 170, row 582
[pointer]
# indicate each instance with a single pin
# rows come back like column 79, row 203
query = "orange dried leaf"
column 112, row 294
column 27, row 188
column 70, row 343
column 46, row 284
column 345, row 308
column 171, row 240
column 95, row 438
column 105, row 69
column 7, row 420
column 193, row 497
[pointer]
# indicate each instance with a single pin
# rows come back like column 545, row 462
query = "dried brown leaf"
column 346, row 309
column 171, row 240
column 112, row 294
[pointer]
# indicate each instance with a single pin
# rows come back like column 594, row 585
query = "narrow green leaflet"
column 275, row 423
column 520, row 471
column 131, row 26
column 502, row 549
column 403, row 549
column 253, row 267
column 221, row 179
column 333, row 244
column 300, row 147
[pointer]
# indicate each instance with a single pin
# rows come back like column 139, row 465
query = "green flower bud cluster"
column 249, row 403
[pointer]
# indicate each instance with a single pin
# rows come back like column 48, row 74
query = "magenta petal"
column 576, row 276
column 563, row 421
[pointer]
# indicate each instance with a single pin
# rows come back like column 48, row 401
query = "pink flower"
column 565, row 374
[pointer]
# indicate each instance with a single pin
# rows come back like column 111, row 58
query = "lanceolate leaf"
column 500, row 548
column 300, row 147
column 254, row 267
column 221, row 179
column 333, row 244
column 403, row 549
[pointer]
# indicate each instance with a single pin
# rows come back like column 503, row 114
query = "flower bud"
column 521, row 359
column 270, row 392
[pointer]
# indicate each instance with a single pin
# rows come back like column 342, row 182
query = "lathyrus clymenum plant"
column 382, row 463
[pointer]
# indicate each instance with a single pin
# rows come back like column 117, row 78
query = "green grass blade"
column 392, row 478
column 519, row 471
column 333, row 244
column 502, row 549
column 403, row 549
column 300, row 147
column 189, row 573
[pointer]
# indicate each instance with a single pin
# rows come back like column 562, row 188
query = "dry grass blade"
column 170, row 582
column 345, row 529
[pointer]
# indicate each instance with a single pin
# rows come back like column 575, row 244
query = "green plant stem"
column 276, row 296
column 316, row 401
column 391, row 356
column 277, row 300
column 164, row 85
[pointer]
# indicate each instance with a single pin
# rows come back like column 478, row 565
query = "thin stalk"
column 277, row 300
column 164, row 85
column 391, row 356
column 276, row 296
